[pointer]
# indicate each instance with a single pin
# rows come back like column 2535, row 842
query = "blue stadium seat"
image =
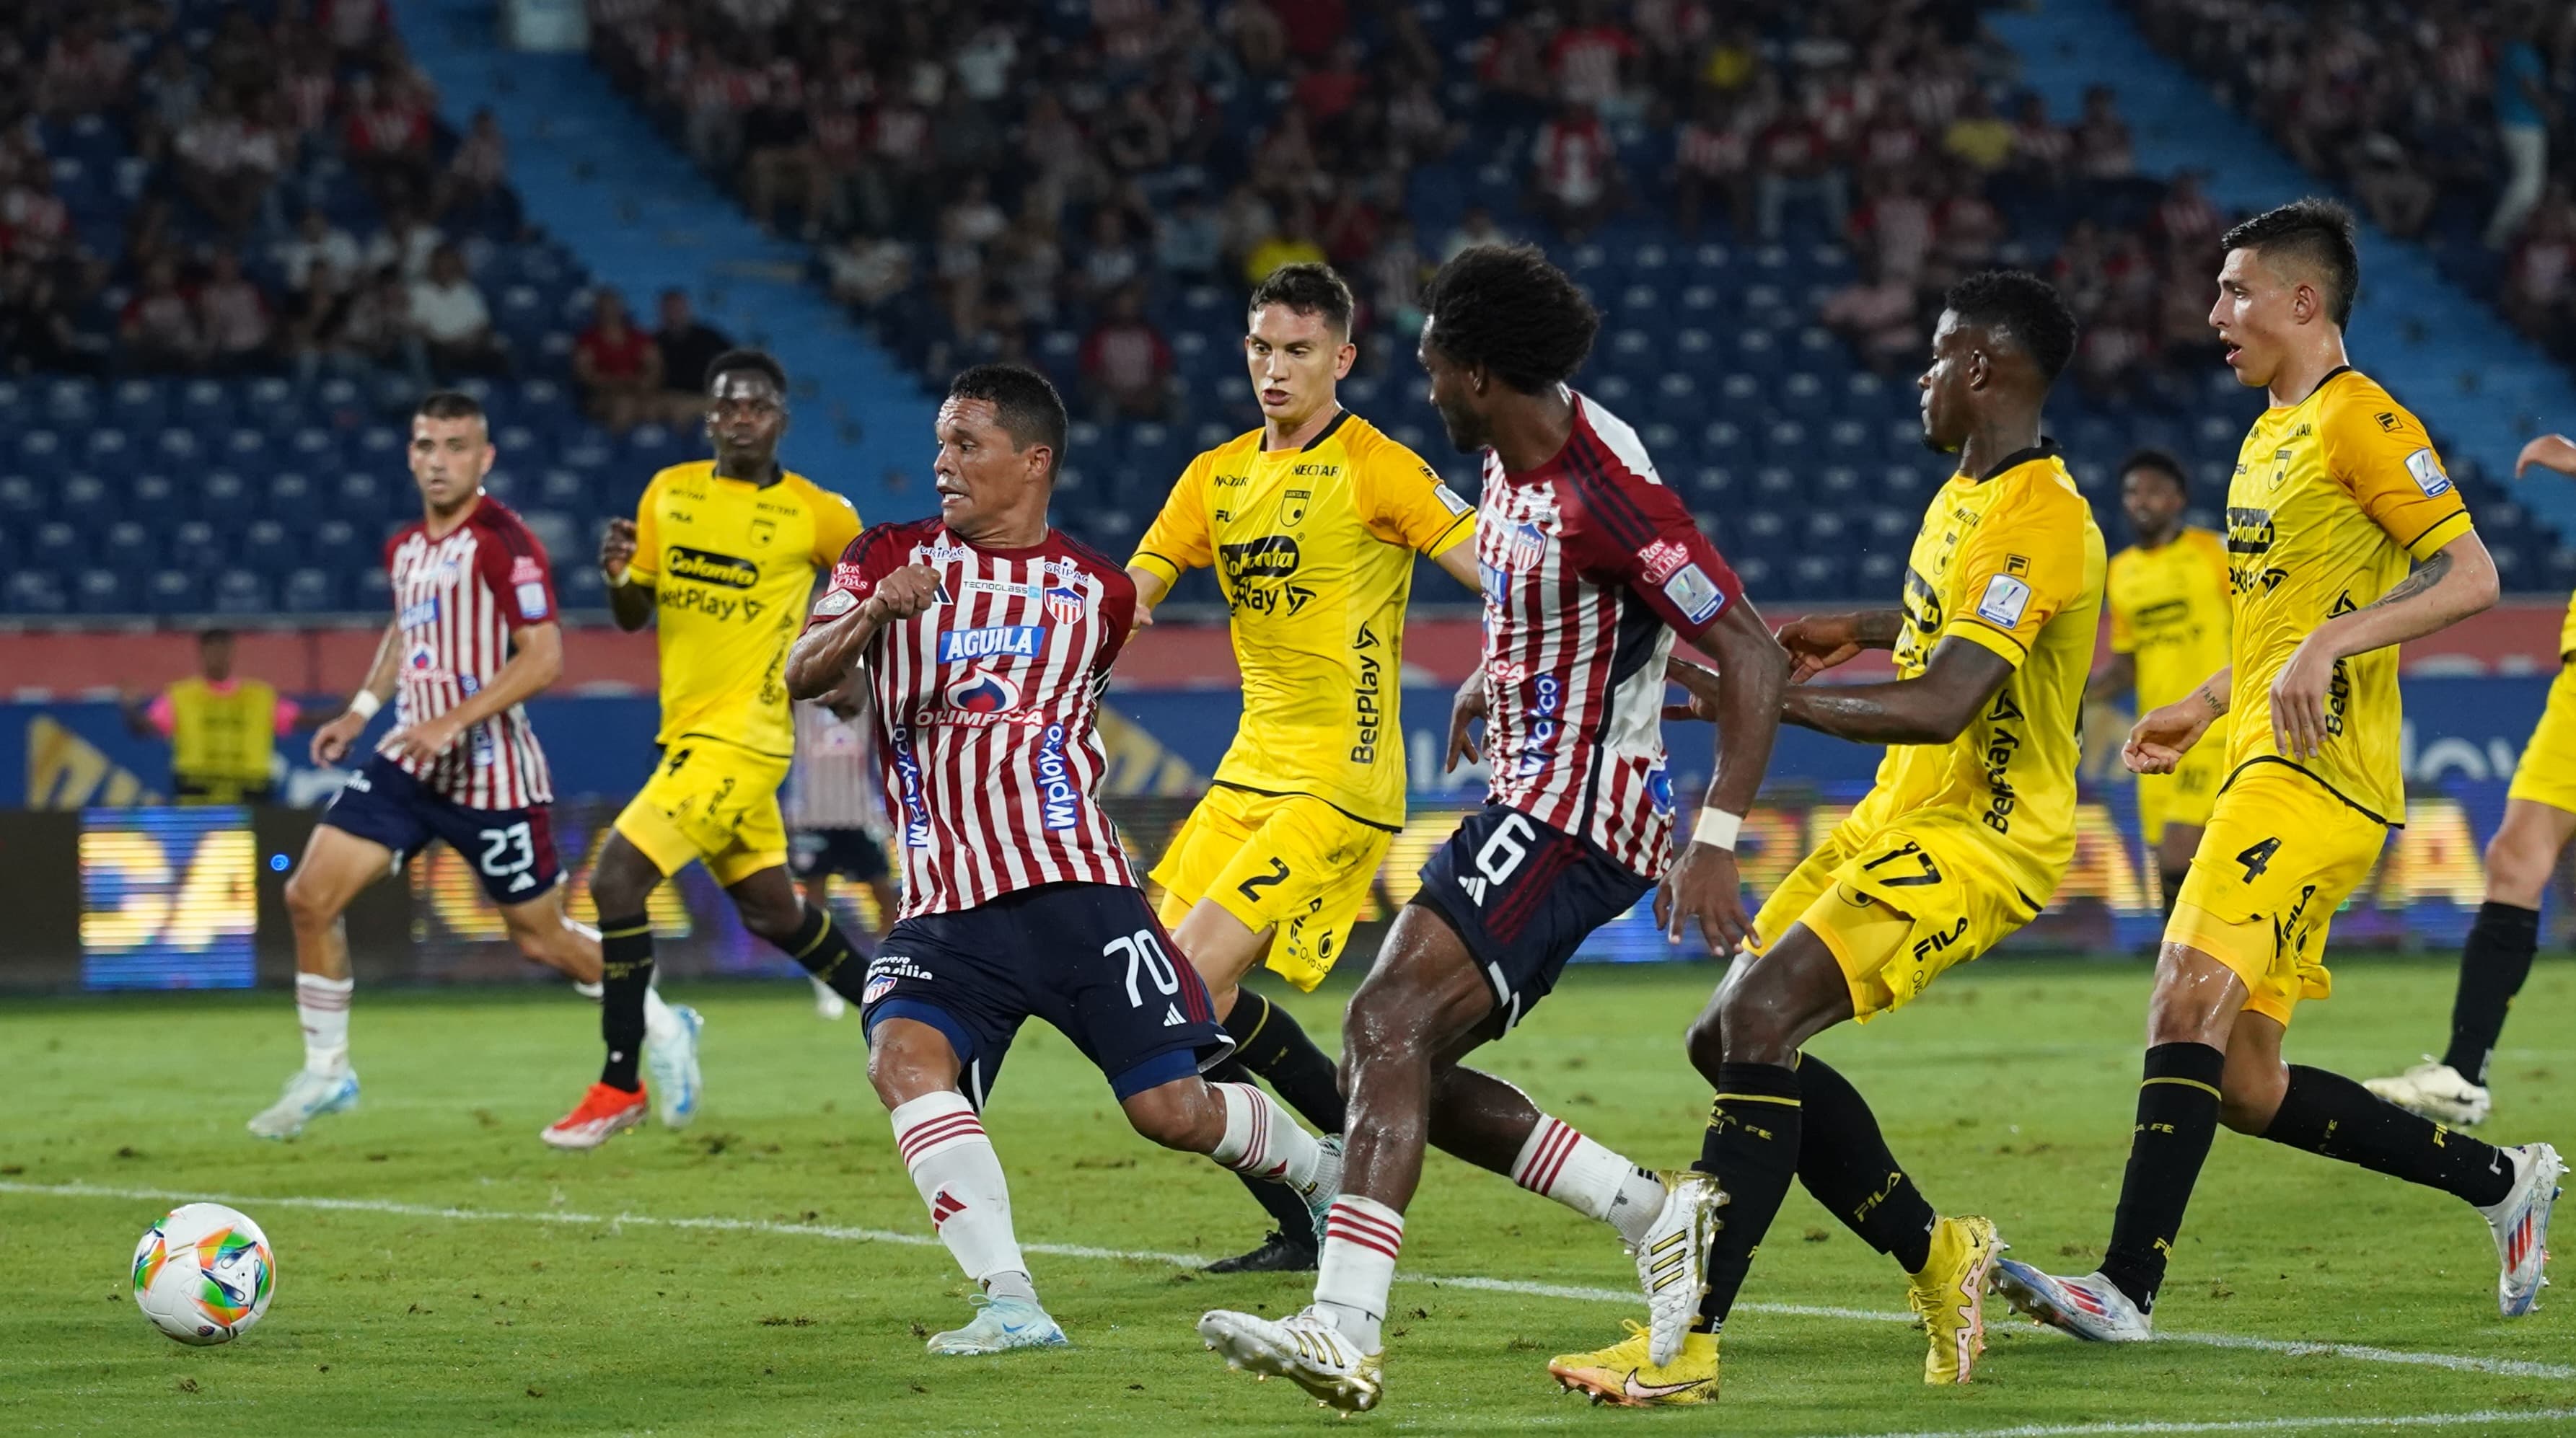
column 361, row 497
column 1677, row 399
column 1750, row 567
column 40, row 454
column 83, row 499
column 222, row 494
column 1740, row 398
column 57, row 545
column 310, row 591
column 381, row 446
column 1841, row 486
column 1785, row 442
column 266, row 545
column 72, row 403
column 1714, row 483
column 564, row 489
column 1847, row 441
column 314, row 448
column 20, row 497
column 17, row 411
column 173, row 591
column 1820, row 576
column 240, row 592
column 1893, row 528
column 131, row 545
column 177, row 448
column 1804, row 396
column 290, row 496
column 36, row 591
column 202, row 404
column 103, row 591
column 1663, row 442
column 1635, row 353
column 1614, row 392
column 1877, row 573
column 106, row 449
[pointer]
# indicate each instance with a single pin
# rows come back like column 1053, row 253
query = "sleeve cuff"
column 1459, row 532
column 1986, row 636
column 1157, row 566
column 2431, row 541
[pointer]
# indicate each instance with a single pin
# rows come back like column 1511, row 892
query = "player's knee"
column 2517, row 869
column 1706, row 1043
column 308, row 905
column 1184, row 1116
column 1750, row 1022
column 901, row 1070
column 2249, row 1098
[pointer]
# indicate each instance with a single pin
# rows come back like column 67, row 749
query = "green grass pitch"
column 477, row 1281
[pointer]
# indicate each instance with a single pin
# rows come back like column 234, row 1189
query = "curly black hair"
column 1307, row 288
column 757, row 362
column 2160, row 462
column 1025, row 404
column 2316, row 233
column 1506, row 308
column 2024, row 306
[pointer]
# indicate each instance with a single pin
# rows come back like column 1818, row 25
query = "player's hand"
column 2550, row 451
column 1699, row 690
column 2299, row 700
column 617, row 549
column 905, row 593
column 2164, row 734
column 1818, row 642
column 426, row 740
column 1466, row 711
column 334, row 738
column 1144, row 619
column 1706, row 887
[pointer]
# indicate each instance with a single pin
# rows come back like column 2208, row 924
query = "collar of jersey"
column 2045, row 449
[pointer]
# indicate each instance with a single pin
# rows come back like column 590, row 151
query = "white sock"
column 322, row 1005
column 1561, row 1164
column 1361, row 1239
column 659, row 1021
column 960, row 1177
column 1262, row 1140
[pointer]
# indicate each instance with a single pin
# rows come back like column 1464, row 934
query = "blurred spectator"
column 2102, row 149
column 1187, row 244
column 868, row 270
column 1475, row 227
column 2536, row 276
column 2522, row 113
column 85, row 71
column 317, row 331
column 477, row 172
column 1126, row 365
column 1875, row 315
column 158, row 327
column 404, row 245
column 1979, row 136
column 1792, row 162
column 1588, row 60
column 2395, row 193
column 227, row 163
column 1293, row 243
column 316, row 242
column 1576, row 174
column 688, row 346
column 36, row 332
column 387, row 138
column 1713, row 157
column 234, row 316
column 2043, row 151
column 618, row 366
column 449, row 316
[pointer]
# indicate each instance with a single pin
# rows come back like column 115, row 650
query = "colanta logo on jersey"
column 705, row 566
column 993, row 641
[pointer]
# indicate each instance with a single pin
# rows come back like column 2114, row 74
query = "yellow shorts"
column 1898, row 904
column 1285, row 860
column 2185, row 795
column 714, row 802
column 2547, row 773
column 2279, row 856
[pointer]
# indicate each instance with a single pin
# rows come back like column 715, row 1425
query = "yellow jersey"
column 2333, row 500
column 2567, row 632
column 2169, row 608
column 732, row 566
column 2011, row 562
column 1314, row 549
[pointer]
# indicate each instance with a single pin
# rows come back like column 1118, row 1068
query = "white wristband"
column 364, row 704
column 1717, row 828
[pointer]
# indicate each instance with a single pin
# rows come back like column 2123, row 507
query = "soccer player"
column 1589, row 567
column 2539, row 817
column 985, row 639
column 721, row 555
column 1972, row 818
column 473, row 636
column 1312, row 522
column 834, row 817
column 2337, row 491
column 2168, row 599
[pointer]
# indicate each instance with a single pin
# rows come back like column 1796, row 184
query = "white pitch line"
column 2358, row 1352
column 2479, row 1418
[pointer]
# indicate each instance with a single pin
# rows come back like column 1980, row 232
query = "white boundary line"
column 2479, row 1418
column 2358, row 1352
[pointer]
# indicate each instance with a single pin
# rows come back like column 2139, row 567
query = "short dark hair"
column 2162, row 463
column 213, row 632
column 1307, row 287
column 2314, row 232
column 1024, row 402
column 757, row 361
column 2024, row 306
column 1506, row 308
column 449, row 404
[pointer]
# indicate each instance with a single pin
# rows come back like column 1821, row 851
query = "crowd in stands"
column 2450, row 125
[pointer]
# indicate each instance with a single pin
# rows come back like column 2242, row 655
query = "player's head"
column 451, row 450
column 1501, row 325
column 2003, row 338
column 746, row 412
column 2289, row 280
column 1001, row 432
column 1297, row 341
column 215, row 654
column 2153, row 492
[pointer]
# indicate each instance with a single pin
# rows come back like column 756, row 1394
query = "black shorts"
column 512, row 850
column 1523, row 896
column 1088, row 958
column 849, row 853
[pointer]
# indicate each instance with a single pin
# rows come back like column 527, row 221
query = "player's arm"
column 1817, row 642
column 2452, row 583
column 630, row 594
column 1179, row 540
column 1933, row 707
column 2550, row 451
column 2113, row 679
column 2164, row 734
column 1403, row 501
column 1150, row 589
column 334, row 738
column 829, row 650
column 536, row 660
column 1458, row 561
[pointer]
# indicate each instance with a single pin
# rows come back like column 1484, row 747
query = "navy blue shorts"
column 849, row 853
column 512, row 850
column 1088, row 958
column 1524, row 896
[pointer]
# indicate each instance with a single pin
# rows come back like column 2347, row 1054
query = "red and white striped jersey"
column 834, row 783
column 456, row 599
column 985, row 705
column 1589, row 566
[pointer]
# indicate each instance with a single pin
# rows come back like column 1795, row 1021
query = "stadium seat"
column 310, row 590
column 240, row 592
column 103, row 591
column 361, row 497
column 173, row 591
column 130, row 546
column 57, row 545
column 40, row 454
column 36, row 592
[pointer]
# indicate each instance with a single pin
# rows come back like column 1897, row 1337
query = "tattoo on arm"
column 2426, row 575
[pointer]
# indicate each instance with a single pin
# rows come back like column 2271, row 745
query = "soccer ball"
column 203, row 1273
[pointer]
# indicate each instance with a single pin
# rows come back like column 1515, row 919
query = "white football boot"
column 307, row 1096
column 2437, row 1091
column 1672, row 1259
column 1307, row 1350
column 2521, row 1226
column 1000, row 1325
column 2092, row 1307
column 827, row 1004
column 672, row 1060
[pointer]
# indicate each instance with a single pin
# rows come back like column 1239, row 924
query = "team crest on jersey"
column 1526, row 547
column 1064, row 605
column 1292, row 507
column 763, row 531
column 983, row 692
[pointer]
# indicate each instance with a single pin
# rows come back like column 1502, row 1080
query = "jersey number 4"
column 2258, row 857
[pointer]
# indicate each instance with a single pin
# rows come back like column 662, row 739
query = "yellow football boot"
column 1624, row 1373
column 1950, row 1296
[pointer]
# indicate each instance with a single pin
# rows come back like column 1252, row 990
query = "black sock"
column 1844, row 1162
column 1752, row 1148
column 825, row 951
column 625, row 972
column 2330, row 1115
column 1269, row 1042
column 2177, row 1118
column 1286, row 1207
column 2493, row 964
column 2172, row 885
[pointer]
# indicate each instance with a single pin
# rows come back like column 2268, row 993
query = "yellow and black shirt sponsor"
column 2334, row 499
column 732, row 565
column 1313, row 548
